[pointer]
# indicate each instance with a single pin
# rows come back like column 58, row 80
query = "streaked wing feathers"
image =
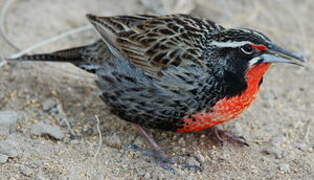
column 154, row 43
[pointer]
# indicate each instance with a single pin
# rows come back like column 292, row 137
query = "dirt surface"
column 49, row 130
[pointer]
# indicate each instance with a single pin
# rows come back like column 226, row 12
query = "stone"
column 275, row 151
column 113, row 141
column 9, row 148
column 97, row 177
column 49, row 104
column 26, row 171
column 3, row 158
column 284, row 167
column 8, row 120
column 42, row 129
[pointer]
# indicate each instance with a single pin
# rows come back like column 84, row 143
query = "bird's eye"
column 247, row 49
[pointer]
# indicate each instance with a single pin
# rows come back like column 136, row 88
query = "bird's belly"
column 226, row 109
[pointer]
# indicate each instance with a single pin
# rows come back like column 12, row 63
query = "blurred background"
column 57, row 96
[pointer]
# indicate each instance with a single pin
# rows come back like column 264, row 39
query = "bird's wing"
column 155, row 43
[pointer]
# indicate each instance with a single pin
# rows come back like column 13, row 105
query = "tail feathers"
column 72, row 55
column 89, row 57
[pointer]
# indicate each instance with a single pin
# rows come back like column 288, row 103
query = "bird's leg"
column 164, row 160
column 150, row 140
column 222, row 135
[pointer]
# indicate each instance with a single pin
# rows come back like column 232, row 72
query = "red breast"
column 227, row 108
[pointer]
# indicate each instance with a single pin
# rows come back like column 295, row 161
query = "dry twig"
column 100, row 137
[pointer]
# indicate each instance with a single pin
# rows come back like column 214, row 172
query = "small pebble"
column 201, row 157
column 284, row 167
column 113, row 141
column 278, row 140
column 182, row 141
column 10, row 148
column 277, row 152
column 141, row 172
column 54, row 107
column 302, row 146
column 238, row 129
column 41, row 176
column 41, row 129
column 26, row 171
column 74, row 141
column 3, row 158
column 147, row 175
column 49, row 104
column 97, row 177
column 8, row 120
column 193, row 162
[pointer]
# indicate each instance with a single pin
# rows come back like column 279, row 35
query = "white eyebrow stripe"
column 230, row 44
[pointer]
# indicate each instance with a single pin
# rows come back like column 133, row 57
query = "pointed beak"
column 275, row 54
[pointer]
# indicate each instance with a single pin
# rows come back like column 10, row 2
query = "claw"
column 160, row 157
column 222, row 136
column 166, row 162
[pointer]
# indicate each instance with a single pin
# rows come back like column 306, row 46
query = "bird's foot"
column 167, row 162
column 222, row 135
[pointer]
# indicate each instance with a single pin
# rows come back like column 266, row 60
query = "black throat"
column 234, row 83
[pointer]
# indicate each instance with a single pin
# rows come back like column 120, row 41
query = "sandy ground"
column 48, row 128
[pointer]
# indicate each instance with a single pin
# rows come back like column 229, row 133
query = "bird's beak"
column 275, row 54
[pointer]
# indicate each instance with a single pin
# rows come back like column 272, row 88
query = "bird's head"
column 249, row 48
column 245, row 55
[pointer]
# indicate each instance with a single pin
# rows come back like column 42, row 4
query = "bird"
column 174, row 72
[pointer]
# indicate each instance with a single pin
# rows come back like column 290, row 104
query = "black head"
column 235, row 51
column 241, row 49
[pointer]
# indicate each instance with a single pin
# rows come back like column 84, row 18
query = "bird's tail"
column 72, row 55
column 87, row 57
